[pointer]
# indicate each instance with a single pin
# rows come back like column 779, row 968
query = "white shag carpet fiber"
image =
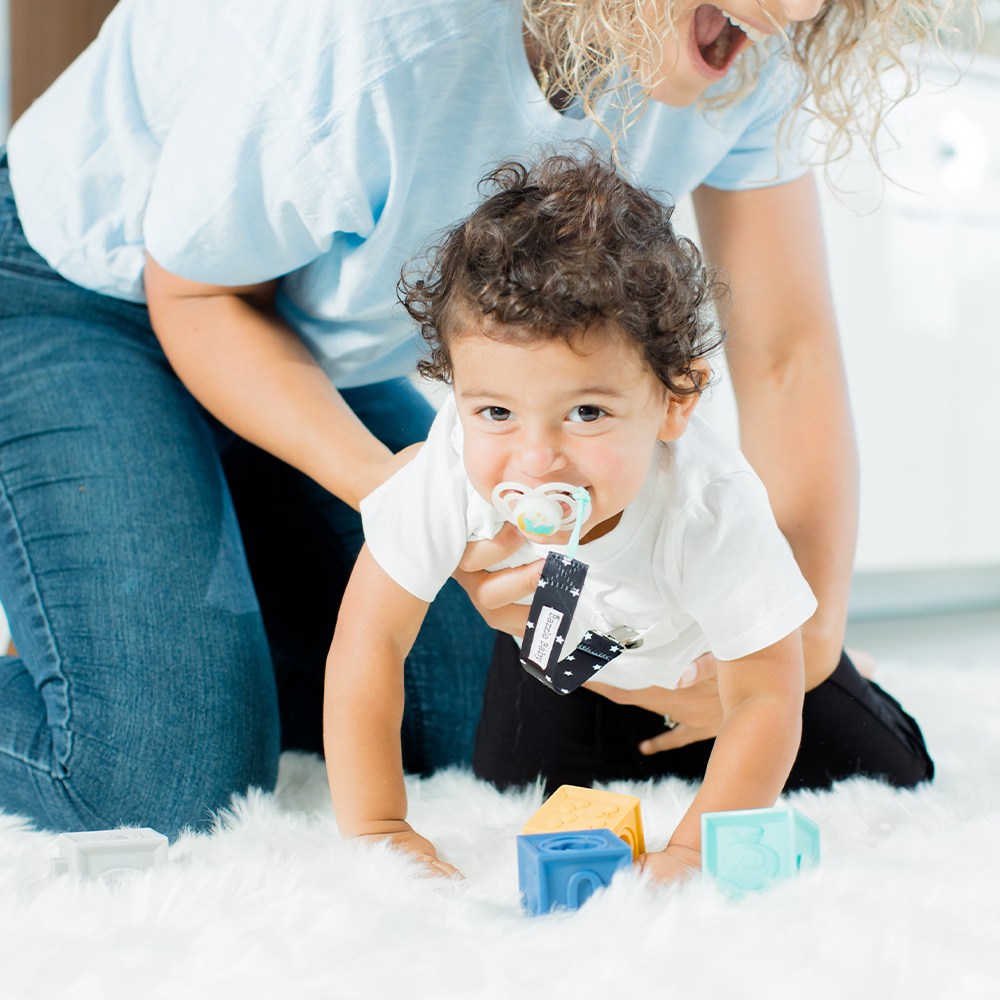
column 272, row 903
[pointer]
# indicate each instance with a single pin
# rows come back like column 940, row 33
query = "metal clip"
column 626, row 637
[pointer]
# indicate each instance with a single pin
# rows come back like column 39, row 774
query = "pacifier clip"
column 552, row 610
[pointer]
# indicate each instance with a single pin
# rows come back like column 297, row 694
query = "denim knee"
column 170, row 762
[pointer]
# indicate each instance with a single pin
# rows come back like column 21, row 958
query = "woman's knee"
column 169, row 781
column 212, row 734
column 159, row 742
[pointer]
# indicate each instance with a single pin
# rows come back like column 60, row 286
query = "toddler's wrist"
column 689, row 856
column 375, row 828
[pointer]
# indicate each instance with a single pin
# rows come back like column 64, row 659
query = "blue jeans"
column 171, row 589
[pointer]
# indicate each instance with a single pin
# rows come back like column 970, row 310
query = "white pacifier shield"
column 541, row 510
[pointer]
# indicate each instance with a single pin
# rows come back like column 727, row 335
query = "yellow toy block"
column 570, row 807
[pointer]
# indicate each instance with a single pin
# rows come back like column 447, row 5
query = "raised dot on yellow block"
column 571, row 807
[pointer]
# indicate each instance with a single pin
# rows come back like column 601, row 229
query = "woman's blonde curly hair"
column 842, row 54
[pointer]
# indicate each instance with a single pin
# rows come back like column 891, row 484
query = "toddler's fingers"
column 480, row 555
column 441, row 869
column 512, row 619
column 489, row 591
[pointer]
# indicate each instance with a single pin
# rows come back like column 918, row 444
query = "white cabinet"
column 915, row 264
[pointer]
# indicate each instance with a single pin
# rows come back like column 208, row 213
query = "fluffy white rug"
column 272, row 903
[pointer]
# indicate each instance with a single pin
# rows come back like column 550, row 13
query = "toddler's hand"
column 420, row 849
column 494, row 594
column 673, row 864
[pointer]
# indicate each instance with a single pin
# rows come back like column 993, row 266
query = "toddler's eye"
column 586, row 414
column 497, row 414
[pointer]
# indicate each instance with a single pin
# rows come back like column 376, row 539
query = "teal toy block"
column 750, row 849
column 566, row 869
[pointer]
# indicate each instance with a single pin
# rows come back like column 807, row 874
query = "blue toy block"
column 750, row 849
column 566, row 869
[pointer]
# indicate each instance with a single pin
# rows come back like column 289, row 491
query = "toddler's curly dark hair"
column 561, row 247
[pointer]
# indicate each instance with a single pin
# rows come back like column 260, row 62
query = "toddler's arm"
column 762, row 724
column 363, row 710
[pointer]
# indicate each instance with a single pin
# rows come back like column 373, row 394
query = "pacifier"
column 542, row 510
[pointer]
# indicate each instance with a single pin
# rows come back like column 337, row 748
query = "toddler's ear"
column 679, row 408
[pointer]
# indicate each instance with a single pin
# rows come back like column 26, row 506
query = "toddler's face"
column 587, row 413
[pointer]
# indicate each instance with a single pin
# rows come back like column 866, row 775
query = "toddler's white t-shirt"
column 696, row 563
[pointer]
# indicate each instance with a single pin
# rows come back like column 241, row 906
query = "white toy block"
column 98, row 853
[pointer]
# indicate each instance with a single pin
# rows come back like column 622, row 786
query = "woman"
column 202, row 372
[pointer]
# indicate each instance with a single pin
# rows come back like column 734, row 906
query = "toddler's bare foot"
column 864, row 662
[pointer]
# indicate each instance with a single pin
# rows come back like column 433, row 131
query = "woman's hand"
column 419, row 848
column 693, row 706
column 673, row 864
column 494, row 594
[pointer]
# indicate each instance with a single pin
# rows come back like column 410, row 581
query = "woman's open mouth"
column 717, row 40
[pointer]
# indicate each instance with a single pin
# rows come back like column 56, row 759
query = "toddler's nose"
column 540, row 458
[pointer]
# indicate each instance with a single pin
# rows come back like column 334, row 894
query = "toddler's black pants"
column 850, row 726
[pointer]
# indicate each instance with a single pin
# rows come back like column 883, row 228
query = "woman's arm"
column 761, row 698
column 252, row 372
column 788, row 374
column 363, row 710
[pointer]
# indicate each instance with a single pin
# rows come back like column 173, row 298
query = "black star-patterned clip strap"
column 552, row 609
column 566, row 675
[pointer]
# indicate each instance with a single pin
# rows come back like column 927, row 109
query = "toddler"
column 571, row 323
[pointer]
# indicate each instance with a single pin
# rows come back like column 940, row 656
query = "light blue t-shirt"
column 323, row 142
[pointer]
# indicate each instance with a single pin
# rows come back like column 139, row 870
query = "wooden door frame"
column 45, row 37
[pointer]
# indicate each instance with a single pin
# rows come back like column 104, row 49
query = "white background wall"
column 917, row 302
